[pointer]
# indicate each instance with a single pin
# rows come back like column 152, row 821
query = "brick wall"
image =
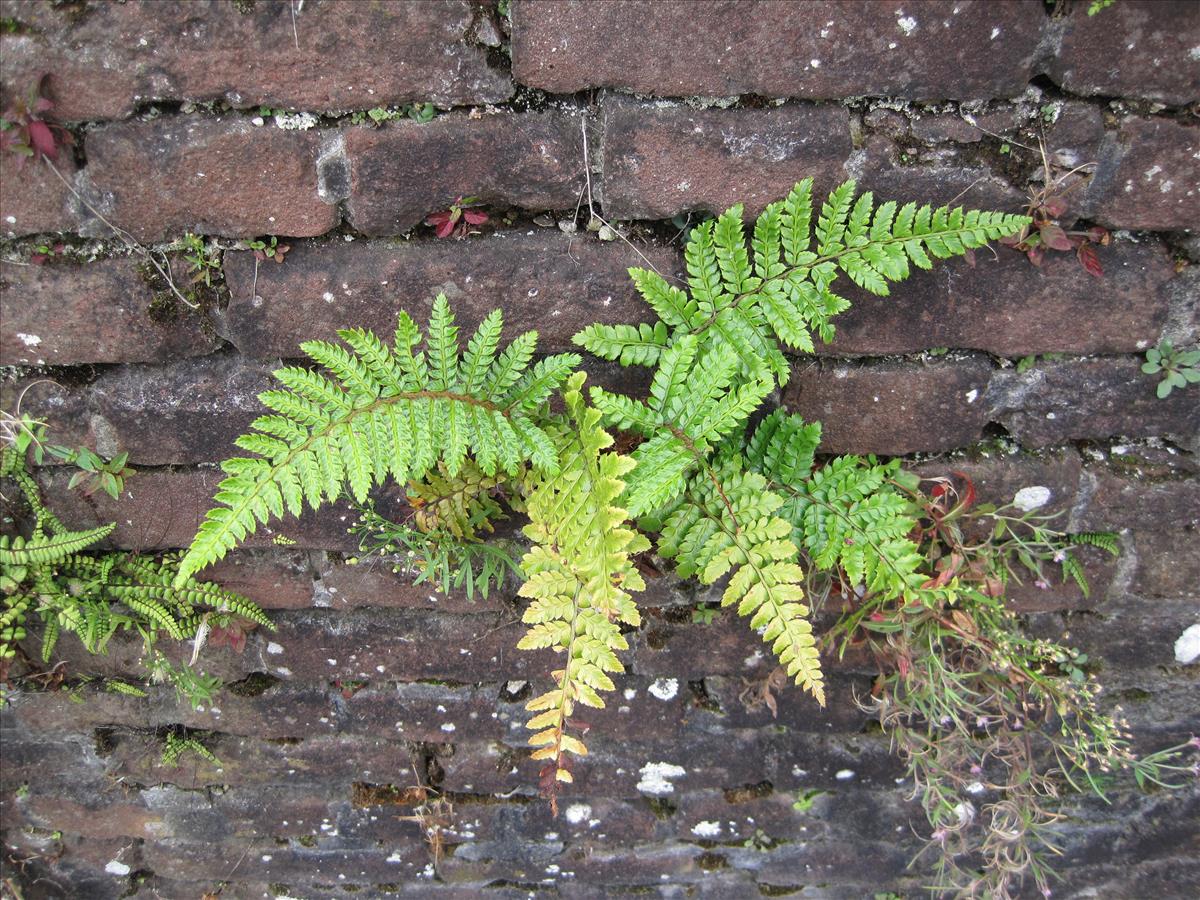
column 688, row 107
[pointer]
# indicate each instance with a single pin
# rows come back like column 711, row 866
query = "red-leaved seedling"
column 458, row 219
column 26, row 130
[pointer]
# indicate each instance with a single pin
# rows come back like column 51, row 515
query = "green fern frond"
column 579, row 576
column 630, row 345
column 727, row 523
column 696, row 399
column 1105, row 540
column 847, row 516
column 46, row 550
column 383, row 411
column 782, row 291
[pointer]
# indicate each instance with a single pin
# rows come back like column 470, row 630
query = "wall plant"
column 58, row 576
column 476, row 427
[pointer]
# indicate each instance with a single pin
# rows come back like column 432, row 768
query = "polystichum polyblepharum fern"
column 718, row 505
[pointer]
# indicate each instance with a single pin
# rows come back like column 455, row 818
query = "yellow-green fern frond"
column 579, row 576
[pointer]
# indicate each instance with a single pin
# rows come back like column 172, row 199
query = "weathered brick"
column 402, row 172
column 1076, row 135
column 660, row 161
column 35, row 200
column 1010, row 308
column 210, row 176
column 264, row 860
column 545, row 281
column 1168, row 563
column 274, row 579
column 1141, row 48
column 181, row 412
column 1068, row 400
column 116, row 56
column 1125, row 639
column 893, row 174
column 892, row 407
column 1148, row 177
column 825, row 50
column 1140, row 489
column 731, row 759
column 161, row 509
column 99, row 312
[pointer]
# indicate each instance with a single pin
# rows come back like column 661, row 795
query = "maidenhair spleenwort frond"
column 384, row 410
column 780, row 291
column 579, row 576
column 727, row 523
column 48, row 549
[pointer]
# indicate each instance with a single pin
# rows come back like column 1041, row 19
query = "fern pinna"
column 718, row 505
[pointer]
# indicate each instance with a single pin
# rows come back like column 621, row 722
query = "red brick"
column 658, row 162
column 402, row 172
column 161, row 509
column 1067, row 400
column 343, row 56
column 1137, row 48
column 883, row 168
column 97, row 312
column 1149, row 177
column 35, row 200
column 825, row 50
column 210, row 176
column 893, row 408
column 182, row 412
column 274, row 579
column 1141, row 489
column 545, row 281
column 1168, row 562
column 1009, row 307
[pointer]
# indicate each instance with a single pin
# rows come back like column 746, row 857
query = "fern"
column 728, row 523
column 96, row 594
column 468, row 430
column 461, row 505
column 579, row 576
column 383, row 410
column 694, row 402
column 781, row 293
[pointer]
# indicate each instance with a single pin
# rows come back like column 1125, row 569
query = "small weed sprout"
column 1179, row 368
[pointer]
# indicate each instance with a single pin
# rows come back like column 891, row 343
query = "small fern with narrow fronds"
column 579, row 577
column 58, row 576
column 384, row 411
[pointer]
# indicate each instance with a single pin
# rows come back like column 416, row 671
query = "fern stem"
column 683, row 438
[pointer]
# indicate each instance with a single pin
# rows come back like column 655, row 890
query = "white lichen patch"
column 29, row 340
column 578, row 813
column 1187, row 647
column 706, row 829
column 665, row 688
column 656, row 778
column 907, row 24
column 1028, row 498
column 275, row 648
column 301, row 121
